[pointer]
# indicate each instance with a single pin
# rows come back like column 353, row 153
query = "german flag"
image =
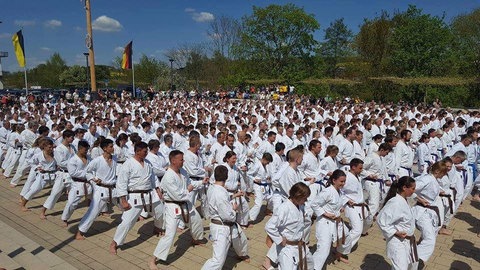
column 19, row 48
column 127, row 57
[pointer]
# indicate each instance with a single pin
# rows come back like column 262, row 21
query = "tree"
column 466, row 29
column 337, row 43
column 372, row 41
column 224, row 33
column 47, row 75
column 74, row 76
column 421, row 44
column 274, row 35
column 147, row 71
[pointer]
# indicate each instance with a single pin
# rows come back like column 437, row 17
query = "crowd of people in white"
column 403, row 167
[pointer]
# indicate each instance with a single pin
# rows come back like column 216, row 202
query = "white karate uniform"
column 310, row 167
column 375, row 190
column 28, row 138
column 404, row 159
column 326, row 230
column 41, row 179
column 62, row 154
column 220, row 208
column 193, row 164
column 132, row 178
column 262, row 187
column 234, row 183
column 174, row 187
column 428, row 188
column 14, row 152
column 353, row 191
column 424, row 158
column 290, row 222
column 397, row 215
column 77, row 169
column 98, row 168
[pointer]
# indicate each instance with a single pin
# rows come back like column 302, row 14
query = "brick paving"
column 460, row 251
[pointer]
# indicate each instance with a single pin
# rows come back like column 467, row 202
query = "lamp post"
column 171, row 74
column 86, row 58
column 2, row 55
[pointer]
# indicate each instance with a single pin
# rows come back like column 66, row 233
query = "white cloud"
column 119, row 49
column 24, row 23
column 52, row 23
column 5, row 35
column 45, row 49
column 200, row 16
column 106, row 24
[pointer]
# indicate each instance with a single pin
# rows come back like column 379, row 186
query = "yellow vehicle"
column 283, row 89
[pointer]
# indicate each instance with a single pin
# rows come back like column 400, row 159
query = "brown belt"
column 85, row 183
column 450, row 202
column 302, row 249
column 110, row 187
column 186, row 217
column 434, row 208
column 363, row 205
column 337, row 221
column 413, row 247
column 142, row 193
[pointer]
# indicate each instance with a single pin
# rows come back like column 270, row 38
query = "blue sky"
column 156, row 26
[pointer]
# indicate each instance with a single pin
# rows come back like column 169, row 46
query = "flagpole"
column 26, row 85
column 133, row 76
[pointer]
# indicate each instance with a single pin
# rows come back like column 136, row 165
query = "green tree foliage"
column 371, row 42
column 421, row 44
column 275, row 35
column 337, row 44
column 147, row 71
column 466, row 29
column 74, row 76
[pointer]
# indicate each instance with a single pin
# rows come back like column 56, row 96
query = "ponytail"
column 397, row 187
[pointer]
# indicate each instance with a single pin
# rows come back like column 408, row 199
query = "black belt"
column 454, row 193
column 225, row 223
column 110, row 187
column 120, row 162
column 262, row 184
column 142, row 192
column 196, row 178
column 186, row 217
column 450, row 202
column 85, row 183
column 434, row 208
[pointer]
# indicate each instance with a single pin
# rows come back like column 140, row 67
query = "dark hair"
column 335, row 175
column 105, row 142
column 43, row 130
column 397, row 187
column 121, row 137
column 221, row 173
column 385, row 147
column 228, row 155
column 267, row 156
column 153, row 143
column 279, row 147
column 355, row 162
column 140, row 146
column 68, row 133
column 299, row 190
column 173, row 154
column 83, row 144
column 313, row 143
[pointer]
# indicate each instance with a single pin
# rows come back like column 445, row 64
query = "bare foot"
column 476, row 198
column 113, row 248
column 140, row 218
column 12, row 185
column 445, row 231
column 244, row 258
column 104, row 214
column 79, row 236
column 180, row 230
column 267, row 264
column 340, row 258
column 268, row 212
column 197, row 243
column 24, row 208
column 42, row 216
column 152, row 264
column 64, row 223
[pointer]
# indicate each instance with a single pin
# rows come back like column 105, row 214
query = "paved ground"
column 460, row 251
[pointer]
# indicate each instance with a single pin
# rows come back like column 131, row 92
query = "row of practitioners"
column 101, row 175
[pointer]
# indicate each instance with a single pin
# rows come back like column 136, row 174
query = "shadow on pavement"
column 375, row 261
column 459, row 265
column 465, row 248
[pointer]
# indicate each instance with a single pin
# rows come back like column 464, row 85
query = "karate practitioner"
column 397, row 223
column 45, row 168
column 428, row 209
column 176, row 187
column 404, row 154
column 356, row 209
column 28, row 138
column 81, row 187
column 287, row 230
column 138, row 189
column 260, row 176
column 223, row 227
column 62, row 153
column 327, row 205
column 101, row 172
